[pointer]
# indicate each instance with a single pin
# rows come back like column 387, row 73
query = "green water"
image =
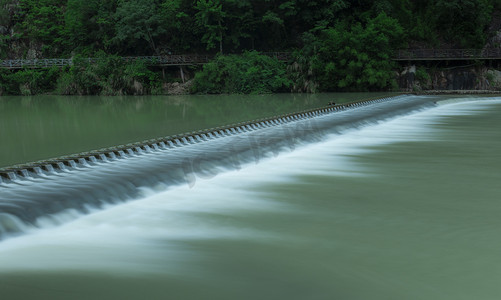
column 41, row 127
column 405, row 209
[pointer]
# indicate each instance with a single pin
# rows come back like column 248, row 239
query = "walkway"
column 160, row 61
column 196, row 59
column 447, row 54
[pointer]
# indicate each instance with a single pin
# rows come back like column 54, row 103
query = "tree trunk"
column 152, row 42
column 182, row 73
column 220, row 38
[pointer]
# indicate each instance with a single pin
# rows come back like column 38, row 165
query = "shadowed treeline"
column 337, row 45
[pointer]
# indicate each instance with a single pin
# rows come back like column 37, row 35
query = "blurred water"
column 405, row 209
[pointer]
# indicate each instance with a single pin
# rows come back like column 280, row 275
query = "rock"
column 494, row 41
column 177, row 88
column 406, row 78
column 138, row 88
column 493, row 78
column 462, row 78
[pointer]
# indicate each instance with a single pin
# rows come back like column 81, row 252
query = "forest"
column 336, row 45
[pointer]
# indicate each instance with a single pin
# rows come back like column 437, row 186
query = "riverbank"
column 333, row 48
column 449, row 79
column 459, row 92
column 248, row 73
column 251, row 72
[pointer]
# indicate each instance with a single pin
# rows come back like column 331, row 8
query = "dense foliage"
column 356, row 57
column 105, row 75
column 28, row 82
column 108, row 75
column 339, row 44
column 247, row 73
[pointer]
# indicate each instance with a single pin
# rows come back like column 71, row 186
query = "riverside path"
column 160, row 61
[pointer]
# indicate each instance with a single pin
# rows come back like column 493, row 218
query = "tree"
column 181, row 29
column 138, row 20
column 6, row 12
column 355, row 56
column 465, row 21
column 246, row 73
column 211, row 17
column 80, row 22
column 241, row 16
column 5, row 15
column 43, row 23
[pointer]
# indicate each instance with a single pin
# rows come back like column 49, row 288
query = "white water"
column 161, row 233
column 173, row 214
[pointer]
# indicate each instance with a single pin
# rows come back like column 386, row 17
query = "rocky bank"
column 418, row 78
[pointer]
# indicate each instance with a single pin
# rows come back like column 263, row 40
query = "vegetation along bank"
column 335, row 45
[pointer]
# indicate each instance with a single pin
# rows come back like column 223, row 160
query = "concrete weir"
column 87, row 181
column 83, row 159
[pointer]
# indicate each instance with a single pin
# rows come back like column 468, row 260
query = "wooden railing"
column 281, row 56
column 448, row 54
column 165, row 60
column 172, row 60
column 34, row 63
column 197, row 59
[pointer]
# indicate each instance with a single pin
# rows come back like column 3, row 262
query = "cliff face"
column 472, row 77
column 461, row 78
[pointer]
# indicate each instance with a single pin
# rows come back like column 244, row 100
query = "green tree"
column 211, row 17
column 136, row 21
column 43, row 23
column 5, row 24
column 181, row 29
column 5, row 13
column 81, row 23
column 240, row 15
column 465, row 21
column 247, row 73
column 358, row 58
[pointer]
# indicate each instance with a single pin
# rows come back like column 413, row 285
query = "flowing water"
column 405, row 208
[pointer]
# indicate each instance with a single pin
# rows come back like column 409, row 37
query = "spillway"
column 90, row 181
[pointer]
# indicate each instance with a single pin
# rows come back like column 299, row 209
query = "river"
column 406, row 208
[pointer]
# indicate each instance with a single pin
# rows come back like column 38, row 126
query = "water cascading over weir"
column 88, row 181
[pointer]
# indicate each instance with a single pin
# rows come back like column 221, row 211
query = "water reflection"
column 40, row 127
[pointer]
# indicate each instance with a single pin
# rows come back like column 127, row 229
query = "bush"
column 106, row 75
column 28, row 81
column 422, row 75
column 355, row 59
column 249, row 73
